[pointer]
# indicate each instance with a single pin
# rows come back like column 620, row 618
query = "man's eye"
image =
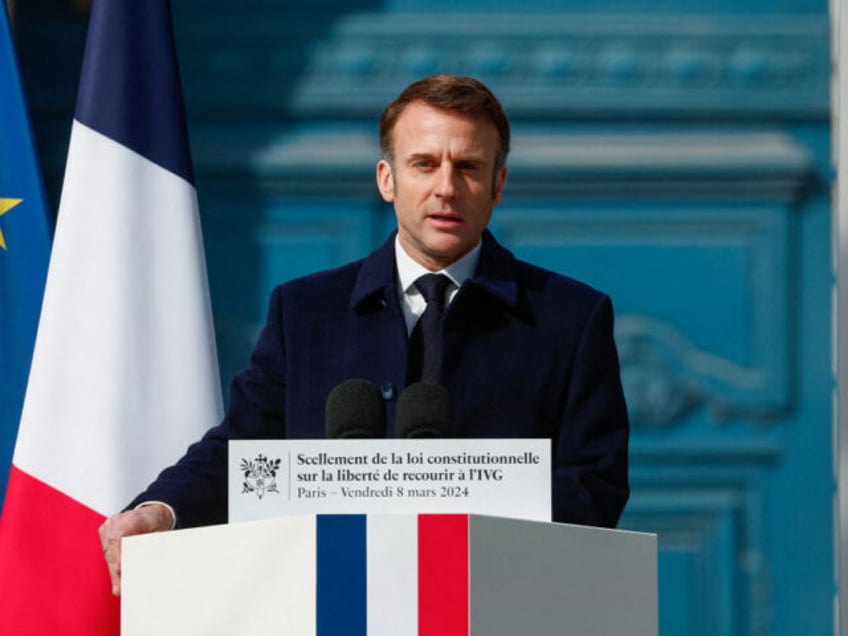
column 422, row 164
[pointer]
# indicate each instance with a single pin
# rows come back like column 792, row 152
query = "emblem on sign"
column 260, row 475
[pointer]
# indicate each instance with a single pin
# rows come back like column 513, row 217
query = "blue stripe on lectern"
column 341, row 563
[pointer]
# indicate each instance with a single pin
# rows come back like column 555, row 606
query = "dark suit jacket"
column 526, row 353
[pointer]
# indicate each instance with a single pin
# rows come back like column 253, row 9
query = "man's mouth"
column 444, row 219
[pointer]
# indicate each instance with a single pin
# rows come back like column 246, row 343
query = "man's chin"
column 447, row 252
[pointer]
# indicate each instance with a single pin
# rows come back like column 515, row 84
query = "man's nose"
column 447, row 181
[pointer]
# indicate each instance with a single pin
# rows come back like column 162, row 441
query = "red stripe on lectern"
column 54, row 579
column 443, row 575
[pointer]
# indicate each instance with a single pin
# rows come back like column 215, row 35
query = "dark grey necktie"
column 433, row 288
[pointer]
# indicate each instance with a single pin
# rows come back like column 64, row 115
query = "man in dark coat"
column 524, row 352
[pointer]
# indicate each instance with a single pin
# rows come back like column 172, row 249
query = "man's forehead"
column 418, row 109
column 422, row 129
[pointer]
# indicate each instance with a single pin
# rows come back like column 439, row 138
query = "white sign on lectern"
column 496, row 477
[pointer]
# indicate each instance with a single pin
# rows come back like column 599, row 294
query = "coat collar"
column 496, row 273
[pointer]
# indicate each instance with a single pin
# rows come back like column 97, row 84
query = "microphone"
column 354, row 410
column 424, row 410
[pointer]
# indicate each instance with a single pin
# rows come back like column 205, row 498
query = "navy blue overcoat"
column 526, row 353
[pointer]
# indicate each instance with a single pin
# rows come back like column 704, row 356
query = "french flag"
column 124, row 372
column 389, row 575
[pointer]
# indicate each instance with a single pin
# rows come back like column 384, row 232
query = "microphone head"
column 424, row 410
column 354, row 410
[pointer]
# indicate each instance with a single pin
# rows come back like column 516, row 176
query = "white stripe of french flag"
column 392, row 575
column 124, row 374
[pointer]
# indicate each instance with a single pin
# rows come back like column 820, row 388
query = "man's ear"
column 498, row 185
column 385, row 181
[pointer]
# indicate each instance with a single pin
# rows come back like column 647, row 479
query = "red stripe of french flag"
column 53, row 573
column 443, row 575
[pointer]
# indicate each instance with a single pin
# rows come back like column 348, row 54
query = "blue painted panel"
column 253, row 245
column 705, row 288
column 707, row 509
column 295, row 240
column 675, row 564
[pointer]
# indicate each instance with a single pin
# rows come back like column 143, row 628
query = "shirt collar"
column 409, row 270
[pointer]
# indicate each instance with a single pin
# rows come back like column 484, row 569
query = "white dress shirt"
column 412, row 301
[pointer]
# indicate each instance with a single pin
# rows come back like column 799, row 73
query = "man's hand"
column 151, row 517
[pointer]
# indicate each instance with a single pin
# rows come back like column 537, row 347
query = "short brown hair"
column 464, row 95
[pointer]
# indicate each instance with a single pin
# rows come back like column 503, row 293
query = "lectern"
column 397, row 575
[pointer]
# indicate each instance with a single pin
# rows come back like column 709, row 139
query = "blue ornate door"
column 679, row 163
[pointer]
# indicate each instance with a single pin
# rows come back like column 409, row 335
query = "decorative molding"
column 558, row 66
column 545, row 65
column 709, row 520
column 553, row 162
column 724, row 162
column 666, row 377
column 660, row 387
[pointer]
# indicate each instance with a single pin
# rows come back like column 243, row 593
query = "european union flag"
column 24, row 247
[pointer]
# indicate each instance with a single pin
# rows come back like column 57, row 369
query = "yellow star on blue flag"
column 24, row 223
column 5, row 206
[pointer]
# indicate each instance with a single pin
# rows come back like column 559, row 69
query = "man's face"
column 442, row 182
